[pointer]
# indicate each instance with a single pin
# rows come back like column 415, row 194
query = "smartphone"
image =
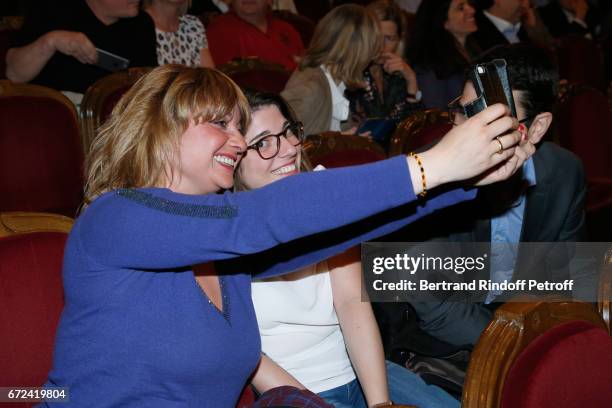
column 378, row 128
column 492, row 86
column 111, row 62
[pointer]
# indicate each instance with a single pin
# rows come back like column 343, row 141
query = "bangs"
column 219, row 97
column 207, row 95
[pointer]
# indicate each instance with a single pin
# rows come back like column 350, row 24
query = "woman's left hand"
column 394, row 63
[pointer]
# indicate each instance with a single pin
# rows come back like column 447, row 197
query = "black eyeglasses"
column 268, row 146
column 457, row 115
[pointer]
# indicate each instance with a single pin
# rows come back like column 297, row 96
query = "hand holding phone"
column 111, row 62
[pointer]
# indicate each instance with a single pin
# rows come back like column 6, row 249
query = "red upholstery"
column 581, row 61
column 569, row 366
column 41, row 156
column 31, row 300
column 302, row 24
column 429, row 135
column 261, row 80
column 346, row 158
column 247, row 398
column 584, row 121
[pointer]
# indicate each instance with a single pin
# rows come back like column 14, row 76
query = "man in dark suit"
column 542, row 203
column 564, row 17
column 502, row 22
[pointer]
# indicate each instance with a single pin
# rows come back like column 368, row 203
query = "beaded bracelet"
column 423, row 193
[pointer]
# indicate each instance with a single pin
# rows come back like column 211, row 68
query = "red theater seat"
column 418, row 130
column 255, row 74
column 101, row 97
column 31, row 301
column 547, row 353
column 569, row 366
column 332, row 149
column 41, row 155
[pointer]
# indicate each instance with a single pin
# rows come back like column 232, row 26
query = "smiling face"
column 256, row 172
column 209, row 152
column 460, row 21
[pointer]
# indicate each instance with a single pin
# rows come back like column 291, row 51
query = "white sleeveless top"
column 299, row 327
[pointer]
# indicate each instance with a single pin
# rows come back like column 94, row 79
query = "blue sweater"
column 137, row 330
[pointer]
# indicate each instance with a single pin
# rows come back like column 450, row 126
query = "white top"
column 299, row 327
column 184, row 45
column 509, row 30
column 340, row 105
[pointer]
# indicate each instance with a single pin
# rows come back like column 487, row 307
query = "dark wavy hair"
column 258, row 100
column 431, row 46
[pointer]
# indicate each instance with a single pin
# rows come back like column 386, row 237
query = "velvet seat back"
column 41, row 156
column 584, row 123
column 31, row 301
column 569, row 366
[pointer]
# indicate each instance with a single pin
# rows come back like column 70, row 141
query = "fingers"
column 79, row 46
column 491, row 113
column 502, row 143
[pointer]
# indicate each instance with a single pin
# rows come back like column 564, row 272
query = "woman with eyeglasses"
column 315, row 329
column 148, row 320
column 438, row 48
column 391, row 88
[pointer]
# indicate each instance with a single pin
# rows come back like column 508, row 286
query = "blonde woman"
column 316, row 331
column 147, row 319
column 344, row 43
column 181, row 38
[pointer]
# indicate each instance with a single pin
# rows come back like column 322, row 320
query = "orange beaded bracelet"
column 423, row 193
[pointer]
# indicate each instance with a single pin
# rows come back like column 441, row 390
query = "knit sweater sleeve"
column 156, row 229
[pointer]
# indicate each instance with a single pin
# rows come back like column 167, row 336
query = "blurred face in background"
column 251, row 8
column 460, row 21
column 391, row 38
column 510, row 10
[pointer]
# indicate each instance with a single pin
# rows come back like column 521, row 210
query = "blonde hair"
column 346, row 40
column 139, row 142
column 388, row 10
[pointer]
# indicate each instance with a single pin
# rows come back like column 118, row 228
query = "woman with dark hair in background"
column 437, row 48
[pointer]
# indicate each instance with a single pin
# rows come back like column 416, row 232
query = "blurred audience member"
column 181, row 38
column 344, row 43
column 503, row 22
column 437, row 48
column 249, row 29
column 410, row 6
column 564, row 17
column 60, row 41
column 391, row 90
